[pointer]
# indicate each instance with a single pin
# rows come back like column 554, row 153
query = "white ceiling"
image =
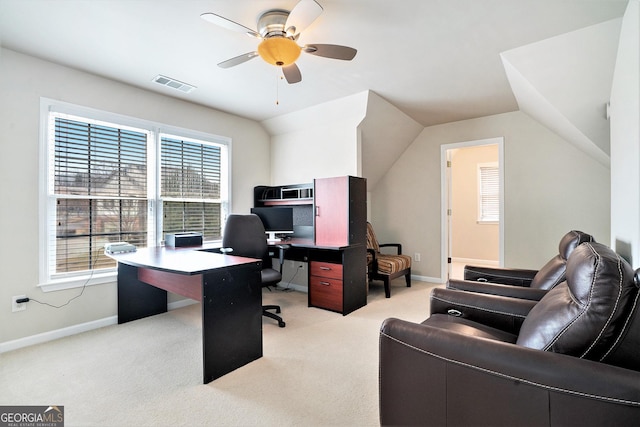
column 437, row 61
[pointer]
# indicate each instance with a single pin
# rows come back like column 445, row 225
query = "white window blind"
column 191, row 186
column 488, row 193
column 99, row 186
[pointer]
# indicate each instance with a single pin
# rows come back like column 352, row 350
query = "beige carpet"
column 322, row 369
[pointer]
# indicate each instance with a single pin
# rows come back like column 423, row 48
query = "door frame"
column 445, row 200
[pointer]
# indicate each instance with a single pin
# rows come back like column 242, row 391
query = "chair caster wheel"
column 281, row 324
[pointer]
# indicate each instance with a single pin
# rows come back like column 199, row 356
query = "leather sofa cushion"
column 579, row 317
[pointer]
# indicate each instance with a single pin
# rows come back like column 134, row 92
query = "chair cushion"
column 580, row 316
column 553, row 272
column 389, row 264
column 270, row 277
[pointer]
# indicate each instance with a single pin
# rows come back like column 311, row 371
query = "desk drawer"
column 326, row 269
column 325, row 293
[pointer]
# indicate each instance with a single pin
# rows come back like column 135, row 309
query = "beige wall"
column 551, row 187
column 318, row 142
column 24, row 80
column 471, row 240
column 625, row 140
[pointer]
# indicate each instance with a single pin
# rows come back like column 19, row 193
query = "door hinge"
column 448, row 163
column 449, row 212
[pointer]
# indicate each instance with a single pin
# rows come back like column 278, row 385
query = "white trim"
column 444, row 148
column 79, row 281
column 155, row 131
column 56, row 334
column 76, row 329
column 428, row 279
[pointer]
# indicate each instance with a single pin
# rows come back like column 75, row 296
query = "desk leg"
column 231, row 319
column 137, row 299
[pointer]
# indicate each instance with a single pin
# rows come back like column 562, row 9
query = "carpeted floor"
column 321, row 369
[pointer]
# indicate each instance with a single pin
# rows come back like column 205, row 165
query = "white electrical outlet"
column 18, row 307
column 416, row 257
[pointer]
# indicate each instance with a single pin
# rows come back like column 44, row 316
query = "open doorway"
column 473, row 206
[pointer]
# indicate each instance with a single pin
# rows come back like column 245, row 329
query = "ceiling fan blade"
column 228, row 24
column 237, row 60
column 331, row 51
column 302, row 15
column 292, row 73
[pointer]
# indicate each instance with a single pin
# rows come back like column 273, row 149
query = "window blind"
column 100, row 190
column 489, row 200
column 191, row 186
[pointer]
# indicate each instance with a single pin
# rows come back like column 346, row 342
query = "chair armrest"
column 398, row 247
column 507, row 276
column 281, row 251
column 430, row 376
column 497, row 289
column 504, row 313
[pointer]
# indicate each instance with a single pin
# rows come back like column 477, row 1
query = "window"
column 190, row 173
column 110, row 178
column 488, row 192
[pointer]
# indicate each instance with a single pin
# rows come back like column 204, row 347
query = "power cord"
column 288, row 287
column 84, row 286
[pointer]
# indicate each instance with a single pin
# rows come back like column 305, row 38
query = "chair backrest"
column 584, row 315
column 246, row 236
column 553, row 272
column 372, row 242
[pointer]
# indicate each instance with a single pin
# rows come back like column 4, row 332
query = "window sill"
column 480, row 222
column 79, row 281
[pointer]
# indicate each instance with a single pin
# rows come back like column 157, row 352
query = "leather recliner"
column 522, row 283
column 572, row 358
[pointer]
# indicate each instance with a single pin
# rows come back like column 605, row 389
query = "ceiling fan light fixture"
column 279, row 51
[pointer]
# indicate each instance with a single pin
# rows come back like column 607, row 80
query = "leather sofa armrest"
column 504, row 313
column 497, row 289
column 507, row 276
column 430, row 376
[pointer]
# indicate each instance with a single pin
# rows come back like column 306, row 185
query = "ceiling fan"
column 279, row 31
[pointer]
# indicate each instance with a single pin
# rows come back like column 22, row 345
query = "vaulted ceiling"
column 437, row 61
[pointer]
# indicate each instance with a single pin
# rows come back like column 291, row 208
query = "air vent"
column 173, row 83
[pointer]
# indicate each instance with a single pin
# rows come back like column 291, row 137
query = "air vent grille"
column 173, row 83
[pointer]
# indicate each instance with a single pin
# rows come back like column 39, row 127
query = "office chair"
column 244, row 235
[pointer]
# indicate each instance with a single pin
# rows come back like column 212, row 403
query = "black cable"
column 287, row 288
column 81, row 291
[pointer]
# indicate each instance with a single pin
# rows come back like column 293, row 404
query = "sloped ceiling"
column 564, row 82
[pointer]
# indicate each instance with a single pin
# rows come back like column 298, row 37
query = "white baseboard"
column 75, row 329
column 56, row 334
column 182, row 303
column 427, row 279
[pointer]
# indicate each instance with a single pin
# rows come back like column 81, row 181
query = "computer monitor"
column 276, row 220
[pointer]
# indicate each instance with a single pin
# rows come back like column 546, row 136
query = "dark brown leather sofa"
column 572, row 358
column 522, row 283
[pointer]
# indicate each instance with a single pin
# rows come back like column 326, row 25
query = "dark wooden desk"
column 228, row 288
column 337, row 274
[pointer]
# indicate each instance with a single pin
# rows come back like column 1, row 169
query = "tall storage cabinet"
column 337, row 275
column 340, row 211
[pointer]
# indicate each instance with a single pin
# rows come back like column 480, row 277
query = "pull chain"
column 278, row 78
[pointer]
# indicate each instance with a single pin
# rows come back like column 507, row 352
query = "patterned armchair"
column 386, row 267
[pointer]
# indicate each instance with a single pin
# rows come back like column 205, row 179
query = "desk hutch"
column 330, row 234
